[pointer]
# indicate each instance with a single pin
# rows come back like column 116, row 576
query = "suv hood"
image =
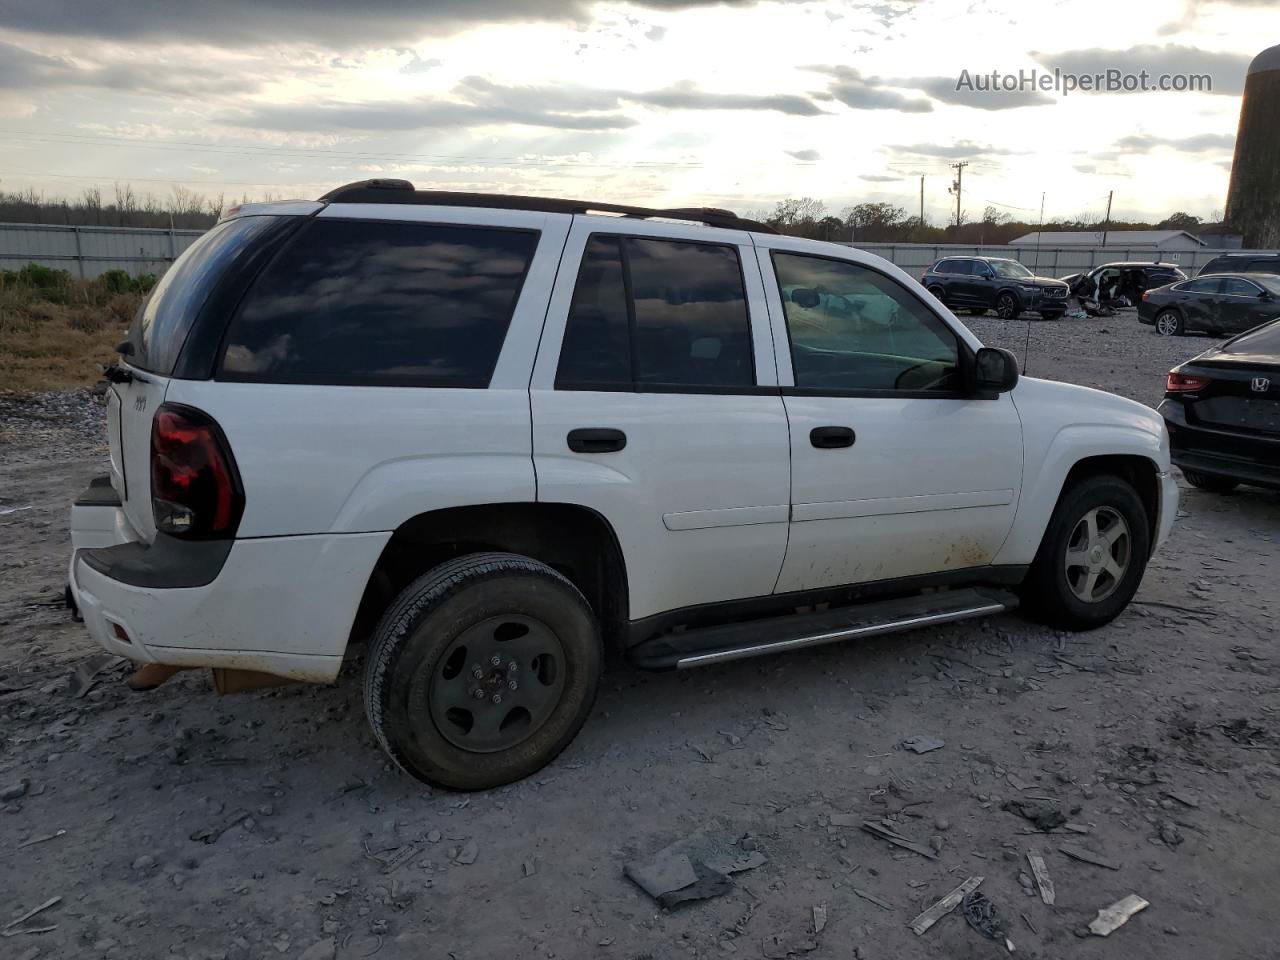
column 1048, row 408
column 1042, row 282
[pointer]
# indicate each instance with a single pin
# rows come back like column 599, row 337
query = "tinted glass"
column 1218, row 265
column 1262, row 340
column 160, row 328
column 962, row 267
column 1239, row 288
column 1263, row 266
column 1010, row 269
column 690, row 313
column 380, row 302
column 660, row 312
column 1207, row 285
column 597, row 337
column 852, row 328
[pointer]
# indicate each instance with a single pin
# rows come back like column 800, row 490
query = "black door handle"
column 829, row 438
column 596, row 440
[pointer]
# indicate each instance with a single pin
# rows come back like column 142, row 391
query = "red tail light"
column 195, row 488
column 1184, row 383
column 1145, row 294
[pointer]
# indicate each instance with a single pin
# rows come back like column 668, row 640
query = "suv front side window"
column 656, row 314
column 852, row 328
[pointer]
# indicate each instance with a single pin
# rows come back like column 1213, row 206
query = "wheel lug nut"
column 512, row 685
column 477, row 672
column 478, row 693
column 497, row 698
column 511, row 666
column 496, row 660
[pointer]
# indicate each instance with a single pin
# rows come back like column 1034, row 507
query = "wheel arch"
column 576, row 541
column 1138, row 471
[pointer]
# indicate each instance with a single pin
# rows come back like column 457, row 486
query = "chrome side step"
column 696, row 648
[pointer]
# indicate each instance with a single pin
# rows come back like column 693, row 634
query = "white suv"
column 496, row 436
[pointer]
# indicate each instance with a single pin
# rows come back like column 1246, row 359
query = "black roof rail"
column 402, row 191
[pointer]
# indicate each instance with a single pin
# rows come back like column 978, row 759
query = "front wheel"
column 1092, row 557
column 1007, row 307
column 1169, row 324
column 1210, row 481
column 482, row 671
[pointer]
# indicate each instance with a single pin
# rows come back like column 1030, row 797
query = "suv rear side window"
column 963, row 267
column 656, row 314
column 161, row 327
column 380, row 302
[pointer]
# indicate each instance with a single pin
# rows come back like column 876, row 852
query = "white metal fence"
column 88, row 251
column 1046, row 261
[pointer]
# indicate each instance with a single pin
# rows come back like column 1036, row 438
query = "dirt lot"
column 1156, row 738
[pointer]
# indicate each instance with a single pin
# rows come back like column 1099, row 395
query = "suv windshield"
column 1011, row 269
column 161, row 325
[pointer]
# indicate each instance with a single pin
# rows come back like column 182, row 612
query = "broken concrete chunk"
column 666, row 871
column 922, row 744
column 1045, row 816
column 15, row 791
column 819, row 918
column 467, row 855
column 1114, row 917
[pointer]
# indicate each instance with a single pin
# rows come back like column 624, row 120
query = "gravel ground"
column 181, row 824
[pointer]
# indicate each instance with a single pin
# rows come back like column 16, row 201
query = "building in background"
column 1162, row 241
column 1253, row 199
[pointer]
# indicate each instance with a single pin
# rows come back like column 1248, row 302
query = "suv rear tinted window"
column 954, row 266
column 378, row 302
column 658, row 313
column 161, row 327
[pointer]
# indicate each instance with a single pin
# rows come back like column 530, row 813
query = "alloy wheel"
column 1098, row 554
column 1166, row 324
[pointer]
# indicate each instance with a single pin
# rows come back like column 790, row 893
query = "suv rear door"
column 655, row 403
column 895, row 471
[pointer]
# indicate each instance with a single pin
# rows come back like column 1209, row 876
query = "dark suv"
column 1242, row 263
column 979, row 284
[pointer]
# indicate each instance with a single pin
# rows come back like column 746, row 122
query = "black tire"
column 1172, row 325
column 1007, row 306
column 1052, row 314
column 453, row 601
column 1210, row 481
column 939, row 293
column 1047, row 593
column 977, row 311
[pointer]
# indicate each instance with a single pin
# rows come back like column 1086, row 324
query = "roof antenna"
column 1026, row 347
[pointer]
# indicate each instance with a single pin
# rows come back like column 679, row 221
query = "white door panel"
column 931, row 480
column 698, row 497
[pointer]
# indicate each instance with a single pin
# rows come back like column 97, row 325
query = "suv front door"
column 895, row 470
column 655, row 404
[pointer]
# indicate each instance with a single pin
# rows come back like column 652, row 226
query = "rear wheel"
column 1092, row 557
column 1210, row 482
column 1007, row 306
column 1169, row 323
column 938, row 293
column 482, row 671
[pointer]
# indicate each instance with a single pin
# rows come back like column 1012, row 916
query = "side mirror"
column 995, row 370
column 805, row 297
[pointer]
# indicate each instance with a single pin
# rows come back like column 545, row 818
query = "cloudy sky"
column 662, row 101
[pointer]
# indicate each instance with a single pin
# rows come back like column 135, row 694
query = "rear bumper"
column 1247, row 457
column 281, row 605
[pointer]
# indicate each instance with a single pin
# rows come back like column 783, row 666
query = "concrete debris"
column 87, row 674
column 15, row 791
column 921, row 744
column 933, row 914
column 696, row 867
column 320, row 950
column 819, row 918
column 1114, row 917
column 211, row 834
column 883, row 905
column 1041, row 873
column 48, row 836
column 8, row 927
column 1076, row 852
column 1045, row 816
column 892, row 836
column 467, row 854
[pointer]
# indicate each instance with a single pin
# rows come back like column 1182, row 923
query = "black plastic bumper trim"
column 167, row 564
column 99, row 493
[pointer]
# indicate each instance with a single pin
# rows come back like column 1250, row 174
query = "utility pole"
column 958, row 186
column 922, row 201
column 1107, row 224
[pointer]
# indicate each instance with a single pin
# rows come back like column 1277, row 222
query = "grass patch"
column 56, row 332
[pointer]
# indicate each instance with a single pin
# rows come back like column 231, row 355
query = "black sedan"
column 1222, row 409
column 1221, row 304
